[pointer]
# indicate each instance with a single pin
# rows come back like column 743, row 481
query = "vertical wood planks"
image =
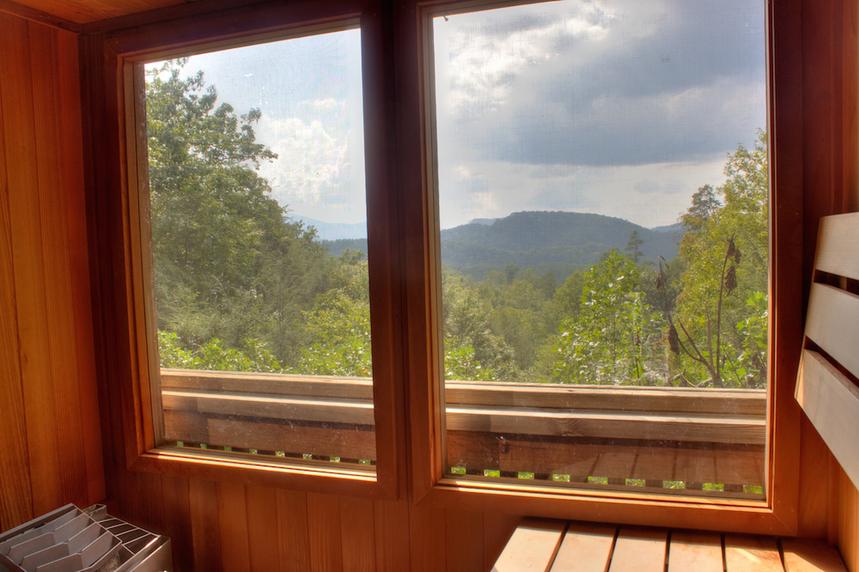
column 47, row 383
column 30, row 287
column 323, row 527
column 205, row 534
column 292, row 531
column 233, row 526
column 262, row 528
column 463, row 540
column 16, row 501
column 357, row 534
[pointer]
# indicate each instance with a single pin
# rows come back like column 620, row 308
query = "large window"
column 260, row 300
column 603, row 203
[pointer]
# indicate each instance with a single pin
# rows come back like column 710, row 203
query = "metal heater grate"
column 71, row 540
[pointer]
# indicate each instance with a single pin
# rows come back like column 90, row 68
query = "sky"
column 618, row 107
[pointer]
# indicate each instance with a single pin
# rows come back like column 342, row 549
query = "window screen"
column 603, row 206
column 257, row 215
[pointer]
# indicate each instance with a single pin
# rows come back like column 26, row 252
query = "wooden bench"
column 826, row 387
column 561, row 546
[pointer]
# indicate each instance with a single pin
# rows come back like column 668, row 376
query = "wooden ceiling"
column 87, row 11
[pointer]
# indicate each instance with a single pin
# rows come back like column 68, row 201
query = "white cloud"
column 311, row 162
column 481, row 66
column 325, row 104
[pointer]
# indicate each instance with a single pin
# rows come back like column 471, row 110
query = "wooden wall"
column 51, row 447
column 829, row 506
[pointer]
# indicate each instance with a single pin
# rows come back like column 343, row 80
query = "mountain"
column 676, row 227
column 559, row 242
column 327, row 231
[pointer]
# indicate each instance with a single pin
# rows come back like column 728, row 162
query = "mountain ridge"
column 546, row 241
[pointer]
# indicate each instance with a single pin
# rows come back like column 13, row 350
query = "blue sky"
column 619, row 107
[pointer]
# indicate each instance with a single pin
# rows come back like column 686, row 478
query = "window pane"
column 258, row 236
column 603, row 200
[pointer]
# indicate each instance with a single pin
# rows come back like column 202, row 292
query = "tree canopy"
column 241, row 286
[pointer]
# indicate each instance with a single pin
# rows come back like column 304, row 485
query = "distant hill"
column 559, row 242
column 327, row 231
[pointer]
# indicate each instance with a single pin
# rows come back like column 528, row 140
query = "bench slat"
column 696, row 551
column 810, row 556
column 585, row 548
column 751, row 554
column 532, row 546
column 639, row 550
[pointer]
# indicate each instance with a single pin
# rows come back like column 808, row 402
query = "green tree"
column 720, row 316
column 613, row 339
column 229, row 265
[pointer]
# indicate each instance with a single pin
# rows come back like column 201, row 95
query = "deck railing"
column 697, row 436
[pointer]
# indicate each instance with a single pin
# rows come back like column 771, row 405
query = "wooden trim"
column 120, row 217
column 786, row 294
column 785, row 109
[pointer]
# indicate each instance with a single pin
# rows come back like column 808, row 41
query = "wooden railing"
column 696, row 436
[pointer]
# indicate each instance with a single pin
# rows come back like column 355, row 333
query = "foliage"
column 613, row 339
column 553, row 297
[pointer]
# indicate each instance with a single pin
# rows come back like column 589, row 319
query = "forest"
column 241, row 285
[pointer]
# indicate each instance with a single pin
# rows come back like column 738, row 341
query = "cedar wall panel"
column 51, row 451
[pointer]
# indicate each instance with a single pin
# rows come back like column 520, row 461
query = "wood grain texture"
column 837, row 245
column 47, row 383
column 84, row 11
column 751, row 554
column 639, row 549
column 833, row 324
column 831, row 402
column 585, row 548
column 532, row 547
column 701, row 552
column 807, row 556
column 16, row 499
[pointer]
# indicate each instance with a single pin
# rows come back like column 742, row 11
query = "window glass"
column 257, row 209
column 603, row 204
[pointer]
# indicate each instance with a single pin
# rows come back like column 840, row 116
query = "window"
column 603, row 209
column 257, row 229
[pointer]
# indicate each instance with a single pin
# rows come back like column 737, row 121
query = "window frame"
column 778, row 512
column 407, row 394
column 125, row 55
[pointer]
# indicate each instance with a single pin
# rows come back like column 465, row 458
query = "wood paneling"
column 47, row 382
column 46, row 356
column 84, row 11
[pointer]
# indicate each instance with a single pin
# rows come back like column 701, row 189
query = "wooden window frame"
column 416, row 172
column 407, row 390
column 119, row 237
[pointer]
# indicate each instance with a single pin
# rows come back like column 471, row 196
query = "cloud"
column 324, row 104
column 311, row 163
column 601, row 82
